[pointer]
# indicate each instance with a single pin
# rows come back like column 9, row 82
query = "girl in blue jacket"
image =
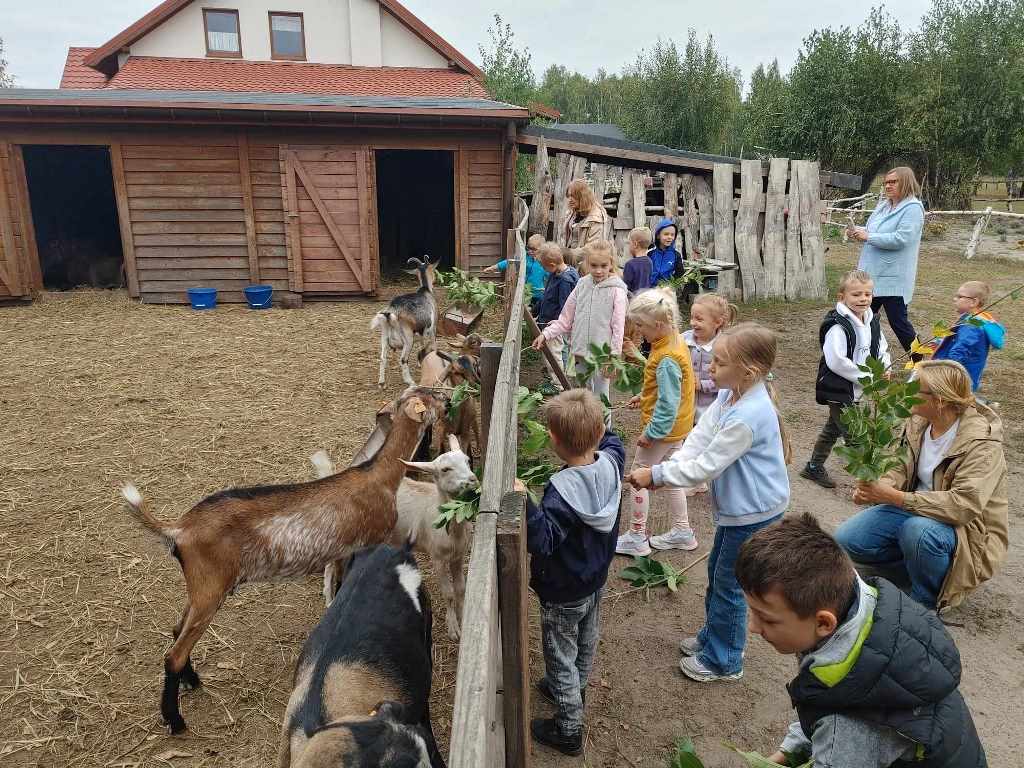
column 665, row 259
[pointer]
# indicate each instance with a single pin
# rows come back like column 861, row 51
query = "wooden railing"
column 489, row 723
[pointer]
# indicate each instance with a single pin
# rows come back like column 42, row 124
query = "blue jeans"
column 888, row 536
column 724, row 634
column 570, row 632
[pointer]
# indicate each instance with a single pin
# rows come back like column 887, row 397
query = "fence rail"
column 491, row 690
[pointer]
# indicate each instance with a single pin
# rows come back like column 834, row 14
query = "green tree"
column 6, row 78
column 508, row 75
column 766, row 111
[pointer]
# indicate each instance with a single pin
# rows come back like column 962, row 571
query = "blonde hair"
column 753, row 347
column 721, row 309
column 655, row 305
column 535, row 241
column 906, row 181
column 601, row 248
column 641, row 236
column 978, row 290
column 571, row 256
column 583, row 195
column 576, row 419
column 854, row 276
column 948, row 381
column 550, row 251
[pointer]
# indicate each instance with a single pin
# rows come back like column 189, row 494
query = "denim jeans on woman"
column 724, row 634
column 570, row 632
column 884, row 535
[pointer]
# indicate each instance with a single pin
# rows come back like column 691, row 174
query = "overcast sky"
column 584, row 35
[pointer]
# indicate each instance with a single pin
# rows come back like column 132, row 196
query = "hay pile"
column 95, row 390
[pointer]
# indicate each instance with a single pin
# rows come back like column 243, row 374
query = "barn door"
column 327, row 205
column 10, row 282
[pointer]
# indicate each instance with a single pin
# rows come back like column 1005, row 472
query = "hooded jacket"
column 846, row 343
column 890, row 253
column 665, row 262
column 897, row 670
column 970, row 495
column 969, row 345
column 582, row 230
column 571, row 534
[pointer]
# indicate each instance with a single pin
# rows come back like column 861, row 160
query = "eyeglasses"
column 891, row 181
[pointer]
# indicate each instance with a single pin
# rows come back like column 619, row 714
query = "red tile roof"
column 77, row 75
column 289, row 77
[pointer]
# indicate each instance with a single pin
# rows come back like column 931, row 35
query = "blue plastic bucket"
column 202, row 298
column 258, row 296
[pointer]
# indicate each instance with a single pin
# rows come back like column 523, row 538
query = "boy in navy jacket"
column 571, row 537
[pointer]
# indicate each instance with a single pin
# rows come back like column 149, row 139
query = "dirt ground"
column 95, row 390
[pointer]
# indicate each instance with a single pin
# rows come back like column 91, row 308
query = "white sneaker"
column 692, row 667
column 675, row 539
column 690, row 646
column 702, row 488
column 632, row 543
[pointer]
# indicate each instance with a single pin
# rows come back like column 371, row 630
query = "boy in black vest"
column 849, row 335
column 879, row 674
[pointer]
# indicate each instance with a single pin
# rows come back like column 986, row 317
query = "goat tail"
column 138, row 507
column 322, row 464
column 382, row 321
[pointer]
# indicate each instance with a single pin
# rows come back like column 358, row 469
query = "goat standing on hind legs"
column 279, row 531
column 407, row 316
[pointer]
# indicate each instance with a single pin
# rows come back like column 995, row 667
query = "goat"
column 279, row 531
column 361, row 692
column 418, row 503
column 438, row 368
column 406, row 316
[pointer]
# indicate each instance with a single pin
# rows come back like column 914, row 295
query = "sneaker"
column 693, row 668
column 677, row 538
column 690, row 646
column 702, row 488
column 816, row 473
column 547, row 732
column 544, row 689
column 632, row 543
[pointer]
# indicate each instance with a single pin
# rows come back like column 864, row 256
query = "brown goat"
column 279, row 531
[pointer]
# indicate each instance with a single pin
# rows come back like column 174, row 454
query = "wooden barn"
column 312, row 145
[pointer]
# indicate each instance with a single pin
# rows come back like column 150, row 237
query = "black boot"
column 546, row 732
column 816, row 473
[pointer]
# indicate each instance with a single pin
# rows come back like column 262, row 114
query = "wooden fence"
column 766, row 220
column 492, row 706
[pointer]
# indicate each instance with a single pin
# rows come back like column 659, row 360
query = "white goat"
column 407, row 316
column 418, row 503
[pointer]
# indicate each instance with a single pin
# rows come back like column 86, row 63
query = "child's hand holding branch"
column 633, row 402
column 640, row 478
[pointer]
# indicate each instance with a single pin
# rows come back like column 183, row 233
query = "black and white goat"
column 407, row 316
column 361, row 692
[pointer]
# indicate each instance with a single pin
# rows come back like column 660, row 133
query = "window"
column 287, row 40
column 222, row 38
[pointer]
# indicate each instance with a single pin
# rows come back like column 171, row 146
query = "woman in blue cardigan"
column 891, row 240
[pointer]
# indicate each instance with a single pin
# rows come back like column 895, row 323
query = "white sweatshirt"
column 834, row 347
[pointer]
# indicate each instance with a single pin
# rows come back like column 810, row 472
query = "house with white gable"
column 312, row 145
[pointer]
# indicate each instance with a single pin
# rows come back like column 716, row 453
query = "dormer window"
column 287, row 39
column 222, row 37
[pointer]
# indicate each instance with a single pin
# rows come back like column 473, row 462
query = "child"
column 665, row 259
column 878, row 679
column 740, row 445
column 849, row 335
column 535, row 274
column 561, row 281
column 637, row 274
column 666, row 404
column 969, row 344
column 594, row 313
column 571, row 539
column 709, row 314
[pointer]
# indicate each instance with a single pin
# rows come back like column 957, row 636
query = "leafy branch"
column 647, row 573
column 626, row 376
column 684, row 755
column 460, row 394
column 462, row 509
column 466, row 290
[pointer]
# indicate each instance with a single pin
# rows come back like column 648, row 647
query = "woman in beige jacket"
column 586, row 221
column 943, row 513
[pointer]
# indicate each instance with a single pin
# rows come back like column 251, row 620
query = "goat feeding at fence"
column 279, row 531
column 362, row 682
column 418, row 503
column 439, row 368
column 408, row 315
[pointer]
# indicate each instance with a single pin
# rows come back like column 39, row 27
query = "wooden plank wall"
column 268, row 212
column 13, row 262
column 486, row 237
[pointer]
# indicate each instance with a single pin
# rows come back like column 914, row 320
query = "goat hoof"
column 175, row 725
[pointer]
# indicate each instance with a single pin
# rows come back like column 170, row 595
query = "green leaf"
column 754, row 759
column 684, row 755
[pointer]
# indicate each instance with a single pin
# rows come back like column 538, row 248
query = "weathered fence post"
column 775, row 229
column 543, row 188
column 725, row 249
column 979, row 227
column 748, row 244
column 490, row 358
column 515, row 636
column 811, row 242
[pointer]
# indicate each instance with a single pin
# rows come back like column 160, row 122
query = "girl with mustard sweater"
column 666, row 404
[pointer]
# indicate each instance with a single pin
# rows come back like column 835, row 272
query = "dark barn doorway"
column 71, row 192
column 415, row 207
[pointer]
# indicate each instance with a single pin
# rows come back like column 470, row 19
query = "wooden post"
column 775, row 229
column 490, row 358
column 513, row 607
column 979, row 227
column 639, row 199
column 670, row 194
column 748, row 244
column 690, row 224
column 724, row 232
column 812, row 244
column 124, row 217
column 598, row 175
column 794, row 252
column 245, row 177
column 33, row 269
column 706, row 217
column 543, row 188
column 554, row 362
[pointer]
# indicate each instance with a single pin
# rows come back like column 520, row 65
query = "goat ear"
column 453, row 443
column 414, row 409
column 422, row 466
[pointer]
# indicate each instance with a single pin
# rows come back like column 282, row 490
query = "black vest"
column 830, row 387
column 906, row 678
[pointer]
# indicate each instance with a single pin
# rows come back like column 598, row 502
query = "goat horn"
column 416, row 263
